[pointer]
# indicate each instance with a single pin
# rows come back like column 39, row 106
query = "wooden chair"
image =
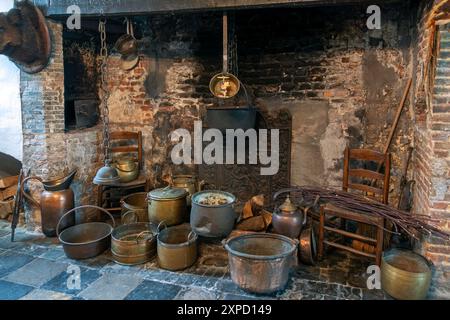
column 378, row 188
column 105, row 193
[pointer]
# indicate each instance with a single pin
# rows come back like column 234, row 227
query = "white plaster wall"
column 10, row 113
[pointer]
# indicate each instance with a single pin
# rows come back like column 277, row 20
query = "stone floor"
column 34, row 267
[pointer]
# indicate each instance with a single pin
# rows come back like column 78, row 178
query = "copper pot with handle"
column 56, row 199
column 133, row 243
column 287, row 219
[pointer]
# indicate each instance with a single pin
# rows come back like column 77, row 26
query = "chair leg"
column 380, row 240
column 321, row 233
column 100, row 196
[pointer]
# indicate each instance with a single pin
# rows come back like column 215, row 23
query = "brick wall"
column 48, row 151
column 341, row 82
column 432, row 158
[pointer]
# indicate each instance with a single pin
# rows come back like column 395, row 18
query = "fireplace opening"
column 81, row 77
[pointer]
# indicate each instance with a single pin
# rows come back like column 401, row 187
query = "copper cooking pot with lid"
column 167, row 204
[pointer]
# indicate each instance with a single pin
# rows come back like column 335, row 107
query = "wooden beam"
column 56, row 8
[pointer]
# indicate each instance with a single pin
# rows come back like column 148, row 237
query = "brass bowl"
column 126, row 45
column 224, row 85
column 127, row 169
column 405, row 275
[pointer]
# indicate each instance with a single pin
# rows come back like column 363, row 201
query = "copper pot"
column 85, row 240
column 177, row 248
column 167, row 204
column 133, row 243
column 136, row 203
column 56, row 199
column 405, row 275
column 261, row 262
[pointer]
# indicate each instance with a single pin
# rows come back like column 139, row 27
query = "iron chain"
column 104, row 88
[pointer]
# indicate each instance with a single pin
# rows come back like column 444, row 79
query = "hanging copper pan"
column 224, row 85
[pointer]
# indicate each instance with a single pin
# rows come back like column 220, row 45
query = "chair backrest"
column 378, row 181
column 135, row 138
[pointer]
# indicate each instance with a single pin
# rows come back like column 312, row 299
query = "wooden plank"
column 8, row 181
column 342, row 247
column 139, row 7
column 364, row 173
column 124, row 149
column 124, row 135
column 365, row 154
column 365, row 188
column 351, row 215
column 351, row 235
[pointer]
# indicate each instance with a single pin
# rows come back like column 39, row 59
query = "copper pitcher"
column 56, row 199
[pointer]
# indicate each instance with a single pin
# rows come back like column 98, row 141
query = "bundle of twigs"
column 413, row 225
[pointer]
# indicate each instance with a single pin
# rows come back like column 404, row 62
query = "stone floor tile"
column 197, row 294
column 37, row 272
column 10, row 261
column 53, row 254
column 153, row 290
column 63, row 282
column 111, row 286
column 40, row 294
column 350, row 293
column 13, row 291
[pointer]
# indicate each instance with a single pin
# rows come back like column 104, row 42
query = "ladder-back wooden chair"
column 369, row 181
column 130, row 143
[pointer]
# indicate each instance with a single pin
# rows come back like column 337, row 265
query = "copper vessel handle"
column 83, row 207
column 134, row 215
column 28, row 196
column 190, row 234
column 159, row 225
column 141, row 234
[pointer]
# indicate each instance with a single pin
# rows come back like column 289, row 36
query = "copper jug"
column 288, row 220
column 56, row 199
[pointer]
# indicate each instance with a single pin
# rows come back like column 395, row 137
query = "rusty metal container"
column 133, row 243
column 261, row 262
column 85, row 240
column 167, row 204
column 137, row 203
column 177, row 247
column 405, row 275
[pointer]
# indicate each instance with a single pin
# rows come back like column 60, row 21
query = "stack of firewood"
column 254, row 217
column 8, row 188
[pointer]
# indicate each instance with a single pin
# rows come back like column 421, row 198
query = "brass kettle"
column 288, row 220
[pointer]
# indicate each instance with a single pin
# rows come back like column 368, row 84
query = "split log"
column 252, row 224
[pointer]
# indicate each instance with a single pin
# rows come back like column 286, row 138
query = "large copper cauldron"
column 56, row 199
column 261, row 262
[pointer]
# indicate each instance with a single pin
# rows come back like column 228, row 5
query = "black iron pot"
column 223, row 118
